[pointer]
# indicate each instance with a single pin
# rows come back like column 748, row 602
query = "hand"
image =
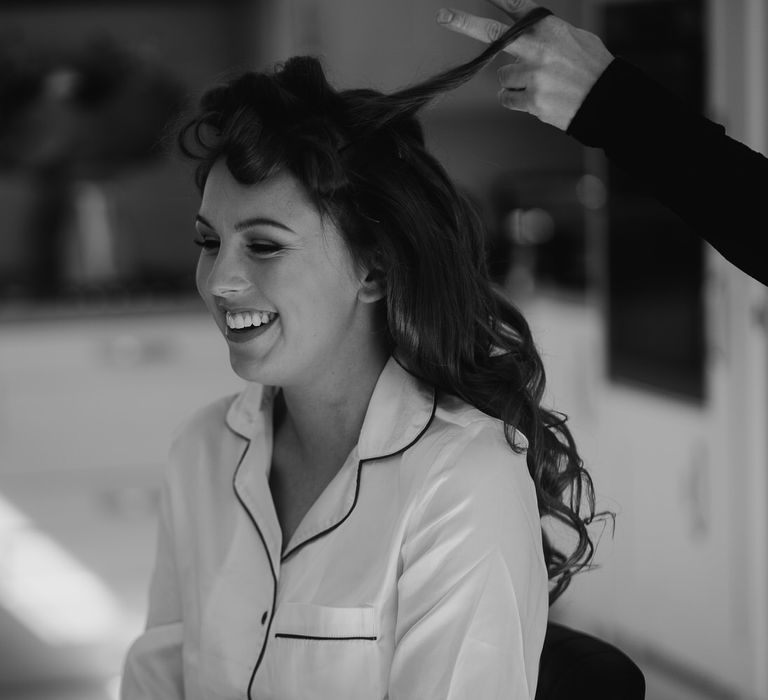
column 554, row 65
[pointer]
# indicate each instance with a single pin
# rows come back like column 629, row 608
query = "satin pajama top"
column 417, row 574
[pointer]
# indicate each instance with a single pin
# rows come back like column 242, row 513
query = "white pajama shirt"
column 417, row 574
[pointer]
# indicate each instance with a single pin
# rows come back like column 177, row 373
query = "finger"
column 488, row 30
column 527, row 48
column 480, row 28
column 514, row 99
column 519, row 78
column 511, row 75
column 515, row 8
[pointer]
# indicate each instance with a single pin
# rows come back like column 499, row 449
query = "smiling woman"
column 367, row 518
column 267, row 250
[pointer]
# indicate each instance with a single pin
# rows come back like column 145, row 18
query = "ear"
column 372, row 286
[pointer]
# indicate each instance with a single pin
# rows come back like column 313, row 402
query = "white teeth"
column 245, row 319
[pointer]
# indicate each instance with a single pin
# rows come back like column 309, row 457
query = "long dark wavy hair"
column 361, row 157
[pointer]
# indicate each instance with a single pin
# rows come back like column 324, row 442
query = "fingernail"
column 444, row 16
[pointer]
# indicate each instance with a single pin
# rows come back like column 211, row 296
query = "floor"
column 660, row 685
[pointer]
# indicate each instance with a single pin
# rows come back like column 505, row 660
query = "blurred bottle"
column 525, row 230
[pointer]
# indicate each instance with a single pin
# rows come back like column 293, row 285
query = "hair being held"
column 361, row 157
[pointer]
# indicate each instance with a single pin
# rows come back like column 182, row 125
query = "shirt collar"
column 400, row 409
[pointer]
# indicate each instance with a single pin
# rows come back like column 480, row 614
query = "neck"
column 322, row 421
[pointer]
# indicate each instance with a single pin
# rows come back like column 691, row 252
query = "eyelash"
column 258, row 248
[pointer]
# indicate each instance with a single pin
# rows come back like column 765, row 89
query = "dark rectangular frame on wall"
column 655, row 290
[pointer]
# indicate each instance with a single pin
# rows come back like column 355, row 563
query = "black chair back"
column 576, row 665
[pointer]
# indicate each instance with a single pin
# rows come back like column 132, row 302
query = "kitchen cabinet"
column 103, row 392
column 88, row 406
column 678, row 581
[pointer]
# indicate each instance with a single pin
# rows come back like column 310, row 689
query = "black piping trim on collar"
column 322, row 533
column 271, row 567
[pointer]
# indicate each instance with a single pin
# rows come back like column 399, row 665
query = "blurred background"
column 655, row 346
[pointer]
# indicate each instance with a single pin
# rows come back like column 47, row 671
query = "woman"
column 364, row 520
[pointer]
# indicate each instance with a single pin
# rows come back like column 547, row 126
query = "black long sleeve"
column 714, row 183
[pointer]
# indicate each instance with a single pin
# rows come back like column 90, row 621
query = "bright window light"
column 48, row 590
column 112, row 687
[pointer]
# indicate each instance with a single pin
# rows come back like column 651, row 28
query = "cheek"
column 317, row 309
column 330, row 291
column 315, row 293
column 334, row 312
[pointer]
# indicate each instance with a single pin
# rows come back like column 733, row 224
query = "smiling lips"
column 248, row 319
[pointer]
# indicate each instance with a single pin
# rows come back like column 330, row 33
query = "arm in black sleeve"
column 714, row 183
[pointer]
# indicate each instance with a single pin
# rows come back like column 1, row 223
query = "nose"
column 228, row 275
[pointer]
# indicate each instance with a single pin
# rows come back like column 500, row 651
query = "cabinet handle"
column 696, row 492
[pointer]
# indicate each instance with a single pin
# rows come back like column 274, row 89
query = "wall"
column 683, row 582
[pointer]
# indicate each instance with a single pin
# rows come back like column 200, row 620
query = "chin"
column 251, row 371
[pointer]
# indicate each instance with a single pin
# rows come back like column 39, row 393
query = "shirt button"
column 264, row 617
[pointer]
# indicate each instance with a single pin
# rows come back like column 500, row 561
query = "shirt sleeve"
column 153, row 666
column 711, row 181
column 472, row 595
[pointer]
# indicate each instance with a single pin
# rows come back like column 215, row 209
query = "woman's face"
column 277, row 278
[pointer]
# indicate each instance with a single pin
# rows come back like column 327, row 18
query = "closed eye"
column 264, row 248
column 210, row 244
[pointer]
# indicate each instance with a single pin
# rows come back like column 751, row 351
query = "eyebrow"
column 248, row 223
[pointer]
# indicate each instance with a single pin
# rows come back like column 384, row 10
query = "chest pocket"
column 321, row 622
column 321, row 652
